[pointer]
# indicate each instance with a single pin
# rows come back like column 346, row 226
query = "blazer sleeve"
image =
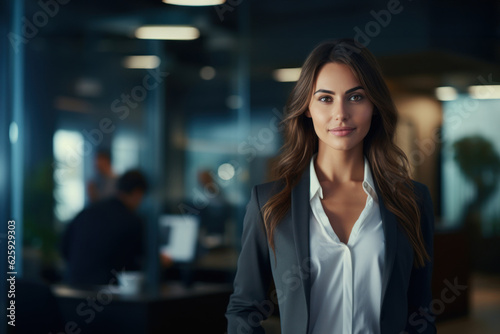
column 420, row 318
column 249, row 304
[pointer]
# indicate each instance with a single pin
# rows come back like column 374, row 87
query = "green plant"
column 39, row 230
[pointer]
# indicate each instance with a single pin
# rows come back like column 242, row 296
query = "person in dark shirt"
column 106, row 237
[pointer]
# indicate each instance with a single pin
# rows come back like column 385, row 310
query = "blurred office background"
column 198, row 111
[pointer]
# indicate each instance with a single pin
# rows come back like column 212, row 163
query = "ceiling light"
column 88, row 87
column 207, row 72
column 484, row 92
column 286, row 74
column 195, row 2
column 146, row 62
column 167, row 32
column 234, row 102
column 446, row 93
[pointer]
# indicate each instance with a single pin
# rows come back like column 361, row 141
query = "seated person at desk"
column 106, row 237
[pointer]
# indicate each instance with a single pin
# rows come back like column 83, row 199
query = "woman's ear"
column 308, row 113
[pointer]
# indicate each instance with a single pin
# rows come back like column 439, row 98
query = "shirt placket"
column 347, row 290
column 347, row 275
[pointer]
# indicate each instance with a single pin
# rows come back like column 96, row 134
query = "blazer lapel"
column 300, row 221
column 389, row 224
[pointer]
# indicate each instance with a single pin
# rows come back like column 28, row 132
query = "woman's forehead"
column 336, row 77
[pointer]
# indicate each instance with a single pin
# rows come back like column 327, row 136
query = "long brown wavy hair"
column 389, row 163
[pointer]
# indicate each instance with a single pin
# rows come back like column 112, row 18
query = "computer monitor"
column 179, row 236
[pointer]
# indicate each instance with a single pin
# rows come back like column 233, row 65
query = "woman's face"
column 340, row 110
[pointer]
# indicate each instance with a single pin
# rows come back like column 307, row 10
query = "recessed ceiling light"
column 169, row 32
column 88, row 87
column 485, row 92
column 234, row 102
column 207, row 72
column 446, row 93
column 195, row 2
column 286, row 74
column 147, row 62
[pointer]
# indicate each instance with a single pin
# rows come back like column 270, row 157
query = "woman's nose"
column 340, row 111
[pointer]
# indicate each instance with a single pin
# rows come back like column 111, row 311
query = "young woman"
column 345, row 234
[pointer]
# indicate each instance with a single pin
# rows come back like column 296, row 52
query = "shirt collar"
column 368, row 183
column 315, row 187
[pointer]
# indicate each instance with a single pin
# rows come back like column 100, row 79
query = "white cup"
column 130, row 282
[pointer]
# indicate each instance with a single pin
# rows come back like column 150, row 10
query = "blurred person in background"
column 215, row 212
column 103, row 185
column 107, row 236
column 345, row 233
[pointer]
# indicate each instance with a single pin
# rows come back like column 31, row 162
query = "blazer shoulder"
column 419, row 186
column 421, row 191
column 267, row 190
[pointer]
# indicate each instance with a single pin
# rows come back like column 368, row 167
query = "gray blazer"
column 406, row 291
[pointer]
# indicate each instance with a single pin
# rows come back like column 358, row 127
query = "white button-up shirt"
column 346, row 279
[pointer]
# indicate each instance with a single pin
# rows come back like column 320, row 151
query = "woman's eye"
column 356, row 98
column 325, row 99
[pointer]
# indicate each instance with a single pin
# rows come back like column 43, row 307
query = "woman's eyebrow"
column 333, row 93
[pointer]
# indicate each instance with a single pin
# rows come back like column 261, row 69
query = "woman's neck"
column 339, row 166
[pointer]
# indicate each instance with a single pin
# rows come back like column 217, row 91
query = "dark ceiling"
column 283, row 31
column 414, row 39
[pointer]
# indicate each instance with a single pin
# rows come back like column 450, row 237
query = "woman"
column 345, row 234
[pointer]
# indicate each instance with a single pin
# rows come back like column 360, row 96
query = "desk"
column 175, row 309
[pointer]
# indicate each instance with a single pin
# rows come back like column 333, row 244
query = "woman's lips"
column 342, row 131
